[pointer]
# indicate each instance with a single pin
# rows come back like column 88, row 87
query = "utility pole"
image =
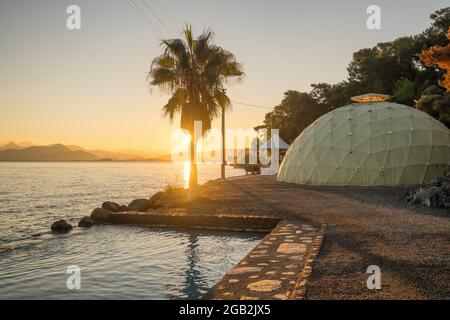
column 258, row 137
column 223, row 143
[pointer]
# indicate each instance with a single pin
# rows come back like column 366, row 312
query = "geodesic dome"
column 369, row 144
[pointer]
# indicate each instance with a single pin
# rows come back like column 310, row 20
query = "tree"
column 333, row 96
column 438, row 106
column 440, row 56
column 296, row 111
column 405, row 92
column 194, row 72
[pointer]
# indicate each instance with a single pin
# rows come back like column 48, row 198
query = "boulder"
column 111, row 206
column 176, row 192
column 432, row 197
column 101, row 215
column 61, row 226
column 171, row 198
column 86, row 222
column 435, row 194
column 158, row 200
column 123, row 208
column 139, row 205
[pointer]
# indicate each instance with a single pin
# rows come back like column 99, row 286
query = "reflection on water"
column 151, row 264
column 193, row 278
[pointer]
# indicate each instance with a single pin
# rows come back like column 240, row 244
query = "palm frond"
column 165, row 61
column 194, row 71
column 222, row 99
column 188, row 37
column 175, row 104
column 160, row 76
column 203, row 45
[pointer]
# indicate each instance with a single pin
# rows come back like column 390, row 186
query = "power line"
column 132, row 5
column 251, row 105
column 159, row 4
column 142, row 14
column 155, row 15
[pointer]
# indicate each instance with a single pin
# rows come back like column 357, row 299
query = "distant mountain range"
column 58, row 152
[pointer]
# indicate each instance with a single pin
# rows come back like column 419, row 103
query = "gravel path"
column 366, row 226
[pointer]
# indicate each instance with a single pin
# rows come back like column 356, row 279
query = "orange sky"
column 88, row 87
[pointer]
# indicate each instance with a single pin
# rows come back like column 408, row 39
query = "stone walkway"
column 276, row 269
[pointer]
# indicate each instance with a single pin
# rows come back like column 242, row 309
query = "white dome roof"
column 369, row 144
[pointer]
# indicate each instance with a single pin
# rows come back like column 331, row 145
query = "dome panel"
column 369, row 144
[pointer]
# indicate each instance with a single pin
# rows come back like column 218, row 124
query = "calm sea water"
column 115, row 261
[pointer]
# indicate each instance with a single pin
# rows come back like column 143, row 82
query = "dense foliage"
column 394, row 68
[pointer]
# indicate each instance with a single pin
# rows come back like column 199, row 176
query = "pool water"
column 150, row 264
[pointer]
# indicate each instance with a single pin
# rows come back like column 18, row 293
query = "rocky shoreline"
column 171, row 197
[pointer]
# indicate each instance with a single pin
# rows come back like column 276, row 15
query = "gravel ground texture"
column 366, row 226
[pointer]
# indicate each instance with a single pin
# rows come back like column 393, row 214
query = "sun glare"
column 186, row 171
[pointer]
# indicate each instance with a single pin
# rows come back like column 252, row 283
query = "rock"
column 265, row 285
column 158, row 200
column 432, row 197
column 61, row 226
column 171, row 198
column 176, row 192
column 86, row 222
column 101, row 215
column 240, row 270
column 139, row 205
column 435, row 194
column 123, row 208
column 111, row 206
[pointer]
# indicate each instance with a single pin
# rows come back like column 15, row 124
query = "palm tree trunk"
column 193, row 180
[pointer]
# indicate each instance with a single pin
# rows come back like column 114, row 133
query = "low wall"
column 215, row 222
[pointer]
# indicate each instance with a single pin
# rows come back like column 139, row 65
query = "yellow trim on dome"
column 370, row 97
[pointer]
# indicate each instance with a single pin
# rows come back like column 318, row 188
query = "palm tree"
column 194, row 72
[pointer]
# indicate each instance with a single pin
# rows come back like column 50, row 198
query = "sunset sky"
column 88, row 87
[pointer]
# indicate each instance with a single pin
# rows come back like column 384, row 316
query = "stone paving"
column 275, row 268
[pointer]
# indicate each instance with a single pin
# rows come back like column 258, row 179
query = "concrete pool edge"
column 174, row 218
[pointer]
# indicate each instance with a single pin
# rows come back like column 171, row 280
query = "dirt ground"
column 366, row 226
